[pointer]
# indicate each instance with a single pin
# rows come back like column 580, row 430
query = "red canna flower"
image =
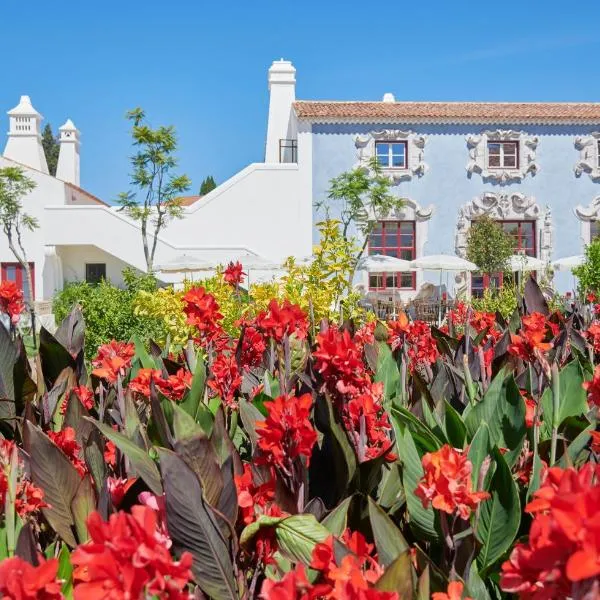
column 365, row 335
column 11, row 300
column 595, row 446
column 593, row 388
column 253, row 348
column 28, row 498
column 529, row 345
column 225, row 380
column 233, row 274
column 422, row 349
column 157, row 504
column 281, row 320
column 446, row 483
column 202, row 311
column 20, row 580
column 110, row 453
column 176, row 385
column 564, row 540
column 140, row 384
column 591, row 298
column 593, row 335
column 454, row 592
column 66, row 441
column 117, row 488
column 294, row 585
column 124, row 559
column 398, row 330
column 530, row 406
column 253, row 498
column 113, row 360
column 287, row 433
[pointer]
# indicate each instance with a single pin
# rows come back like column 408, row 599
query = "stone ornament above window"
column 502, row 156
column 505, row 207
column 408, row 159
column 589, row 213
column 589, row 155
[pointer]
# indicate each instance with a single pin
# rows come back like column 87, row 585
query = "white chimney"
column 282, row 88
column 24, row 143
column 389, row 97
column 67, row 168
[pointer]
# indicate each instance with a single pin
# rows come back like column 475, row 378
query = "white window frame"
column 390, row 153
column 503, row 155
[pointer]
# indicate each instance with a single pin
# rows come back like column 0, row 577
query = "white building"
column 263, row 211
column 535, row 167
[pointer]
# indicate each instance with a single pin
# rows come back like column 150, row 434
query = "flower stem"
column 555, row 411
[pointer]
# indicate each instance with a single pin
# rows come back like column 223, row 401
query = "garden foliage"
column 383, row 462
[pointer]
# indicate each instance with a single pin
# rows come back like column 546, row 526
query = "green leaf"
column 54, row 358
column 141, row 353
column 193, row 527
column 250, row 415
column 573, row 398
column 184, row 425
column 389, row 541
column 575, row 448
column 387, row 371
column 398, row 577
column 503, row 409
column 420, row 432
column 422, row 520
column 479, row 450
column 82, row 505
column 456, row 430
column 500, row 516
column 52, row 471
column 296, row 535
column 140, row 460
column 475, row 584
column 195, row 396
column 65, row 571
column 337, row 520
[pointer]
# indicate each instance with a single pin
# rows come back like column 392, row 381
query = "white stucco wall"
column 75, row 258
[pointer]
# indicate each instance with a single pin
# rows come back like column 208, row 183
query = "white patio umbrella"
column 523, row 262
column 379, row 263
column 568, row 263
column 255, row 262
column 441, row 263
column 184, row 263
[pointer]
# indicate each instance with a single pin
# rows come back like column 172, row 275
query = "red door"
column 13, row 271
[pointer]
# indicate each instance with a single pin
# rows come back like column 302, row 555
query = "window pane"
column 406, row 227
column 383, row 160
column 494, row 161
column 511, row 228
column 406, row 240
column 406, row 280
column 375, row 240
column 398, row 161
column 382, row 148
column 11, row 273
column 390, row 280
column 398, row 148
column 375, row 280
column 95, row 272
column 406, row 255
column 493, row 149
column 594, row 229
column 509, row 149
column 391, row 252
column 391, row 227
column 510, row 161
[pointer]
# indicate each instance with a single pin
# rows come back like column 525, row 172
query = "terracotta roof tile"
column 188, row 200
column 452, row 112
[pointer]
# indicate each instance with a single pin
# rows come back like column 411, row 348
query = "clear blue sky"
column 202, row 66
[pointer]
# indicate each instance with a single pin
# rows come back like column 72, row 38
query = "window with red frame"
column 13, row 271
column 398, row 239
column 523, row 235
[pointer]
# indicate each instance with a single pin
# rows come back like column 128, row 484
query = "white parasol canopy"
column 443, row 262
column 523, row 262
column 379, row 263
column 184, row 263
column 568, row 263
column 256, row 262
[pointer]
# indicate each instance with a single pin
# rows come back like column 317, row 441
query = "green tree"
column 588, row 273
column 208, row 185
column 14, row 185
column 51, row 149
column 152, row 175
column 362, row 197
column 489, row 246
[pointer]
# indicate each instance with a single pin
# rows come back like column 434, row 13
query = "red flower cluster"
column 563, row 550
column 529, row 345
column 339, row 360
column 29, row 498
column 281, row 320
column 254, row 499
column 287, row 433
column 593, row 388
column 11, row 300
column 593, row 335
column 202, row 311
column 66, row 441
column 225, row 380
column 253, row 347
column 530, row 406
column 124, row 559
column 422, row 349
column 446, row 483
column 20, row 580
column 113, row 360
column 233, row 274
column 140, row 384
column 173, row 387
column 351, row 578
column 454, row 592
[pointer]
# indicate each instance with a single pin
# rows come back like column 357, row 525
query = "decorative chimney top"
column 68, row 132
column 24, row 109
column 389, row 97
column 282, row 71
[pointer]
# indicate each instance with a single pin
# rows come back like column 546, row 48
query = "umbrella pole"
column 440, row 299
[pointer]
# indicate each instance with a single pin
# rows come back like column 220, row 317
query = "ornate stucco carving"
column 587, row 214
column 500, row 206
column 589, row 155
column 478, row 155
column 415, row 144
